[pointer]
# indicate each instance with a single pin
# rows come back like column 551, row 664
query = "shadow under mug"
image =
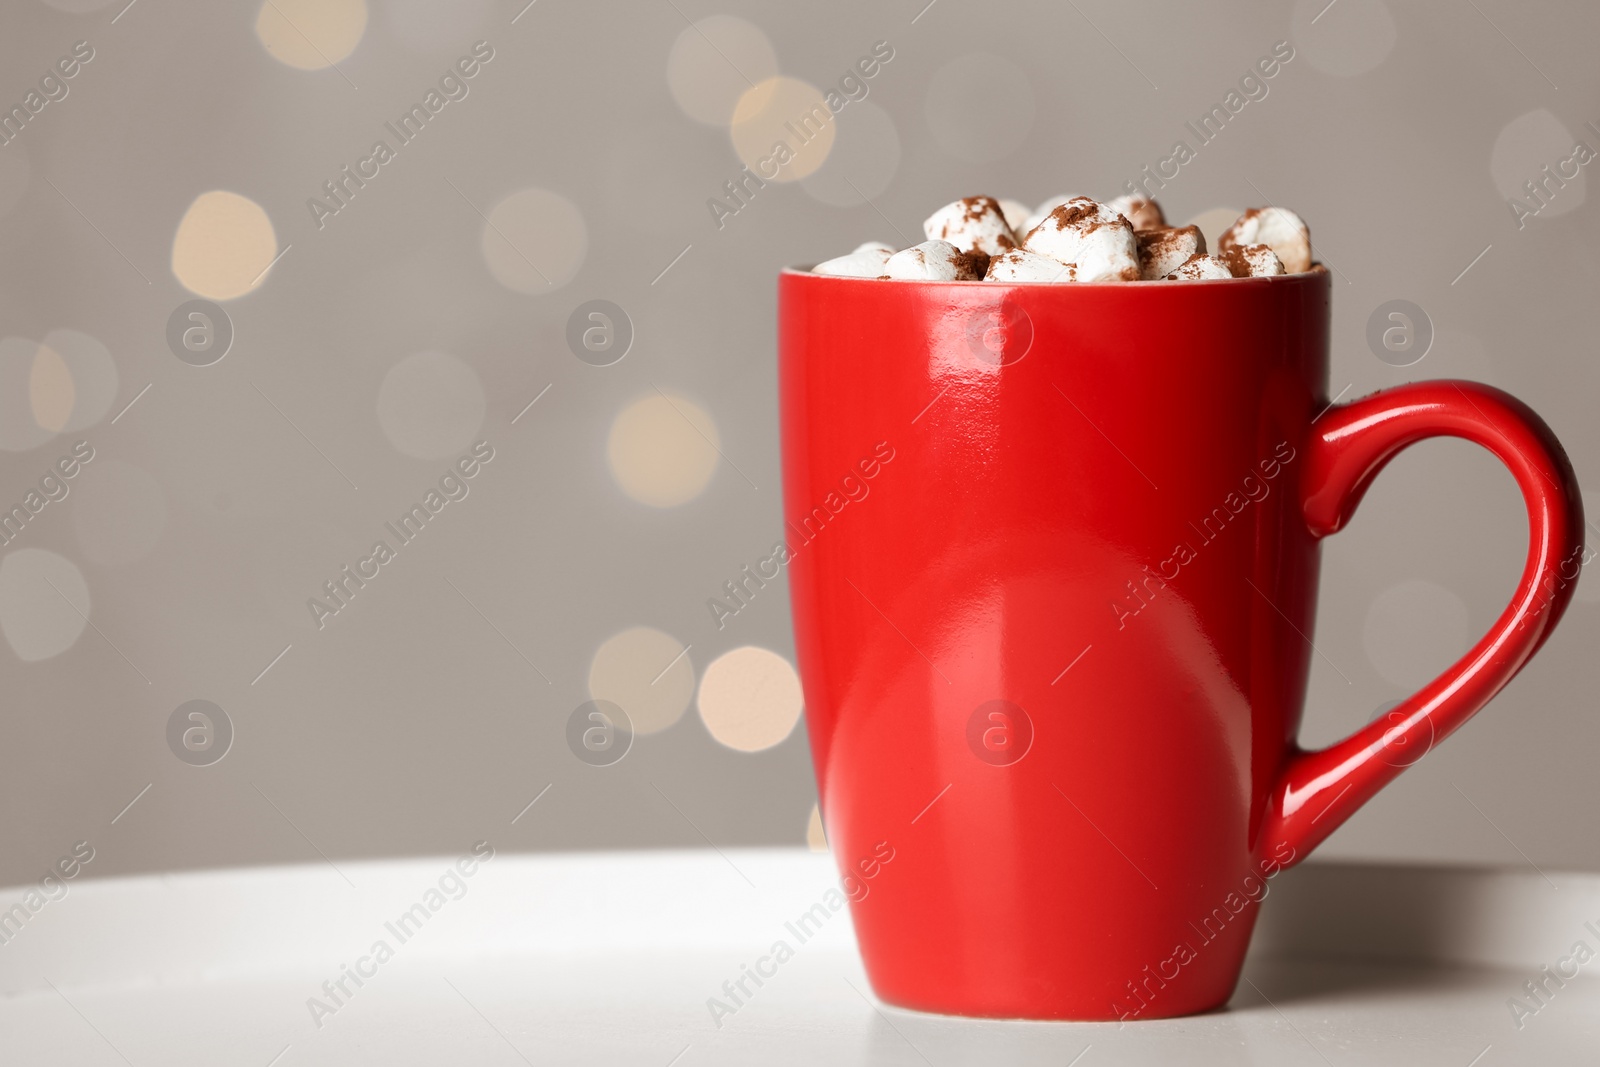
column 1053, row 564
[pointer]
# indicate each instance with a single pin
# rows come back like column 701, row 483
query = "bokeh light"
column 44, row 603
column 1346, row 39
column 223, row 246
column 65, row 384
column 93, row 373
column 713, row 62
column 816, row 837
column 646, row 673
column 534, row 241
column 431, row 405
column 865, row 157
column 50, row 391
column 311, row 34
column 787, row 111
column 426, row 26
column 1523, row 148
column 663, row 450
column 750, row 698
column 19, row 429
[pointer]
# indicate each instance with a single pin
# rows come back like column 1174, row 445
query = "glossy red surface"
column 1100, row 505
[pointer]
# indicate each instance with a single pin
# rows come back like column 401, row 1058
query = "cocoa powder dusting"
column 975, row 207
column 974, row 262
column 1153, row 243
column 1233, row 256
column 1073, row 212
column 1179, row 272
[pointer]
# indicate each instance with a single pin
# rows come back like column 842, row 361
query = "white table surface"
column 610, row 958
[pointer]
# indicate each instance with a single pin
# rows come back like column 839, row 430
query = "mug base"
column 1007, row 1006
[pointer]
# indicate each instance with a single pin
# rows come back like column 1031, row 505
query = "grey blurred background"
column 576, row 164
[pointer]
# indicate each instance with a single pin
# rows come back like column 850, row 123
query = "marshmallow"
column 1021, row 265
column 975, row 223
column 1201, row 268
column 1279, row 229
column 1077, row 239
column 1252, row 261
column 865, row 262
column 1164, row 250
column 1097, row 241
column 1041, row 213
column 1142, row 213
column 936, row 261
column 1016, row 213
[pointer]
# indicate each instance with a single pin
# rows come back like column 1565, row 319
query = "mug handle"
column 1318, row 790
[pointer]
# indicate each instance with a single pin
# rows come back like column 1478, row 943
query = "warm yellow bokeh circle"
column 224, row 244
column 51, row 392
column 782, row 129
column 750, row 698
column 311, row 34
column 663, row 450
column 64, row 384
column 816, row 835
column 645, row 672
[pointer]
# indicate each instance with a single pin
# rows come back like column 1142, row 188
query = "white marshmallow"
column 1253, row 261
column 1016, row 213
column 865, row 262
column 931, row 261
column 1279, row 229
column 1041, row 213
column 1021, row 265
column 1143, row 213
column 1201, row 268
column 1164, row 250
column 976, row 223
column 1097, row 241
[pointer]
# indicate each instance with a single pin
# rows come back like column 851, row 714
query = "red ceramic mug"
column 1054, row 576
